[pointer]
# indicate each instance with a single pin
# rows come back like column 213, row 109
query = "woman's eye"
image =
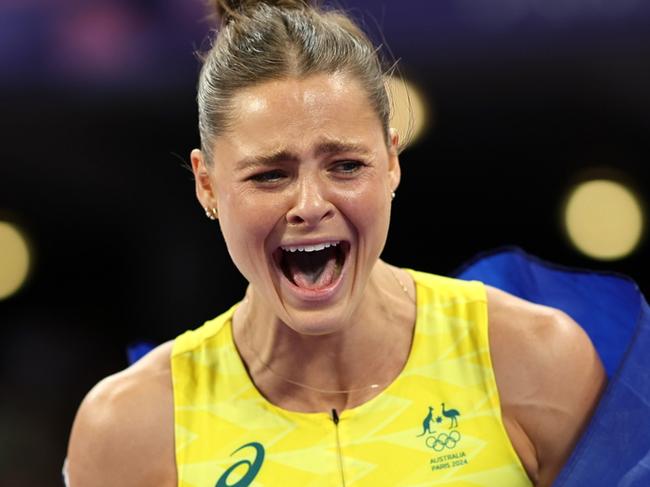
column 348, row 167
column 267, row 177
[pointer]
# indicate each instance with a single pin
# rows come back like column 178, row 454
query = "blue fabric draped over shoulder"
column 614, row 451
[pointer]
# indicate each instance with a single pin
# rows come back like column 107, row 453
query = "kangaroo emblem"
column 426, row 423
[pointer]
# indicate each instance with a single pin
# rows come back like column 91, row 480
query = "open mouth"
column 312, row 267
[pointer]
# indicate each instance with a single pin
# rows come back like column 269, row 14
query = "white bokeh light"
column 14, row 259
column 410, row 115
column 604, row 219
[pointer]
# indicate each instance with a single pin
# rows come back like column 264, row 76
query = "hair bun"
column 226, row 10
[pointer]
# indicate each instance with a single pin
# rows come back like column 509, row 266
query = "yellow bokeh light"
column 14, row 260
column 604, row 219
column 409, row 111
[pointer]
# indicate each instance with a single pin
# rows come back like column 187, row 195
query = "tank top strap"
column 451, row 321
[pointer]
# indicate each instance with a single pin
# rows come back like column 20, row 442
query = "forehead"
column 315, row 94
column 296, row 111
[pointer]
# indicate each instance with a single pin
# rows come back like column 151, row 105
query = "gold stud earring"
column 211, row 213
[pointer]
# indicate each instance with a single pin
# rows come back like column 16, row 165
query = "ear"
column 204, row 186
column 394, row 169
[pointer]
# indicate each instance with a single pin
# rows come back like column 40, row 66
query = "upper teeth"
column 309, row 248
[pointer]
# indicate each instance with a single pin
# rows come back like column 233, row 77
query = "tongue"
column 312, row 270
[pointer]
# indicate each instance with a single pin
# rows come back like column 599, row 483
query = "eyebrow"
column 322, row 149
column 336, row 147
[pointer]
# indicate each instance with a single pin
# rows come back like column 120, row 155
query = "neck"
column 340, row 369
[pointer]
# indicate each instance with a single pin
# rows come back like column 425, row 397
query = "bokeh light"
column 410, row 115
column 604, row 219
column 14, row 259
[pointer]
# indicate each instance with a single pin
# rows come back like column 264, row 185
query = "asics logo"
column 252, row 470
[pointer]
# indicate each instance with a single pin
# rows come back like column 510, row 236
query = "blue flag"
column 614, row 451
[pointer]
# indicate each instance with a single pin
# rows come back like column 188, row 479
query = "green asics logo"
column 253, row 467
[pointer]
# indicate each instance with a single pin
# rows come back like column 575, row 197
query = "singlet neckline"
column 346, row 413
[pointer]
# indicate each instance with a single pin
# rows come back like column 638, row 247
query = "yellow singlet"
column 438, row 424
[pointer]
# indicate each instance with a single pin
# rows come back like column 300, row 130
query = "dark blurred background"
column 97, row 117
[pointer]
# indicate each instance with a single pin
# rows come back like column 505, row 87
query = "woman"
column 336, row 368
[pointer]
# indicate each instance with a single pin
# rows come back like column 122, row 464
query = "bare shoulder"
column 549, row 378
column 123, row 432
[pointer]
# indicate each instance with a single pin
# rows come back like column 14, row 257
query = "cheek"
column 246, row 224
column 368, row 208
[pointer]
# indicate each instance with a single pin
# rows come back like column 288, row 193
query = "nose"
column 311, row 206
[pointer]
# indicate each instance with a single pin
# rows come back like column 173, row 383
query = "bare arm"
column 549, row 378
column 123, row 432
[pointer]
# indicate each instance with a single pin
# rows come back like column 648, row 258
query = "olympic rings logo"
column 443, row 440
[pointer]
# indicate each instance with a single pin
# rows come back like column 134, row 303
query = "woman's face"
column 302, row 183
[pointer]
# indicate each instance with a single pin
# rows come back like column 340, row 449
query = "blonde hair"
column 267, row 40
